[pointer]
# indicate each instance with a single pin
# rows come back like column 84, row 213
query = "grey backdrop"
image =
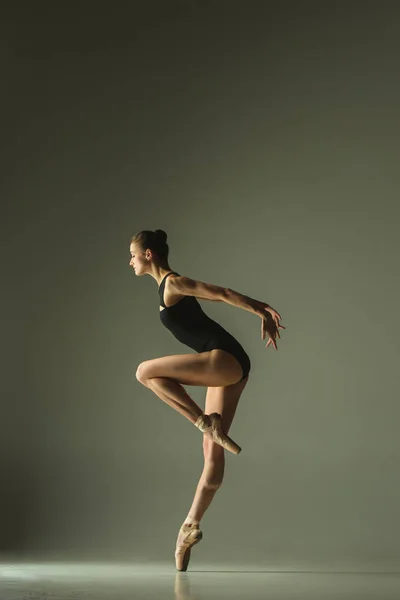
column 264, row 138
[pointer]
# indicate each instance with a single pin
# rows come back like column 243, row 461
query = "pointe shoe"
column 212, row 424
column 188, row 536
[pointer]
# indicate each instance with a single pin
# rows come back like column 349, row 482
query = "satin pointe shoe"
column 211, row 424
column 188, row 536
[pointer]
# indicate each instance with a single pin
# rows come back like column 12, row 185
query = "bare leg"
column 175, row 395
column 209, row 482
column 223, row 400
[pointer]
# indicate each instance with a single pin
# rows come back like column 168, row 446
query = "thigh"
column 213, row 368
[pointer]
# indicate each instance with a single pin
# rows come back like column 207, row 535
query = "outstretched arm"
column 241, row 301
column 209, row 291
column 269, row 316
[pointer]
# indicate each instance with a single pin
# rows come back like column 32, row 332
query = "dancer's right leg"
column 210, row 480
column 222, row 400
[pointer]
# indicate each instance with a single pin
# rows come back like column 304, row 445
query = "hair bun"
column 161, row 234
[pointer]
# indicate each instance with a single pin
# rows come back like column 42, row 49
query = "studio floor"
column 62, row 581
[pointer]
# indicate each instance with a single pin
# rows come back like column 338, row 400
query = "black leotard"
column 191, row 326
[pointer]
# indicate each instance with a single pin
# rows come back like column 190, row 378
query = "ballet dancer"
column 220, row 364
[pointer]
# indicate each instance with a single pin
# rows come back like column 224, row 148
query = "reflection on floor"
column 62, row 581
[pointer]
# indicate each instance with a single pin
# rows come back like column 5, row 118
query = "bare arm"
column 190, row 287
column 241, row 301
column 269, row 316
column 209, row 291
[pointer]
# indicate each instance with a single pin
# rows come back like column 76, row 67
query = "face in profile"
column 136, row 261
column 141, row 262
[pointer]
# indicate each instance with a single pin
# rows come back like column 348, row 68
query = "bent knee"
column 141, row 373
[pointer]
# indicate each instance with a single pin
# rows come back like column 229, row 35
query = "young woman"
column 220, row 364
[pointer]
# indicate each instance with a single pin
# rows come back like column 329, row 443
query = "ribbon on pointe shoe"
column 212, row 424
column 204, row 423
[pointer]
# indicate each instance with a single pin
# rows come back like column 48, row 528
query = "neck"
column 159, row 273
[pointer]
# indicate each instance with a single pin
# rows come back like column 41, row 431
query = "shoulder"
column 180, row 283
column 186, row 286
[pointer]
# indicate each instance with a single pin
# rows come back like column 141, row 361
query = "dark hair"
column 155, row 241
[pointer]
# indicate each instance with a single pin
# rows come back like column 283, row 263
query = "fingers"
column 273, row 342
column 276, row 314
column 277, row 329
column 275, row 311
column 272, row 335
column 277, row 323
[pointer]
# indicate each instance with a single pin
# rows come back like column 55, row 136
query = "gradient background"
column 264, row 139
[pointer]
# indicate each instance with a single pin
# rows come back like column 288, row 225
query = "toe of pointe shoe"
column 182, row 560
column 220, row 437
column 188, row 536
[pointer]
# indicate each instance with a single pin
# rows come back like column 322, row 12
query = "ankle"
column 203, row 422
column 189, row 521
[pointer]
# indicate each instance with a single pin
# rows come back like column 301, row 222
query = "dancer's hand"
column 263, row 307
column 270, row 324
